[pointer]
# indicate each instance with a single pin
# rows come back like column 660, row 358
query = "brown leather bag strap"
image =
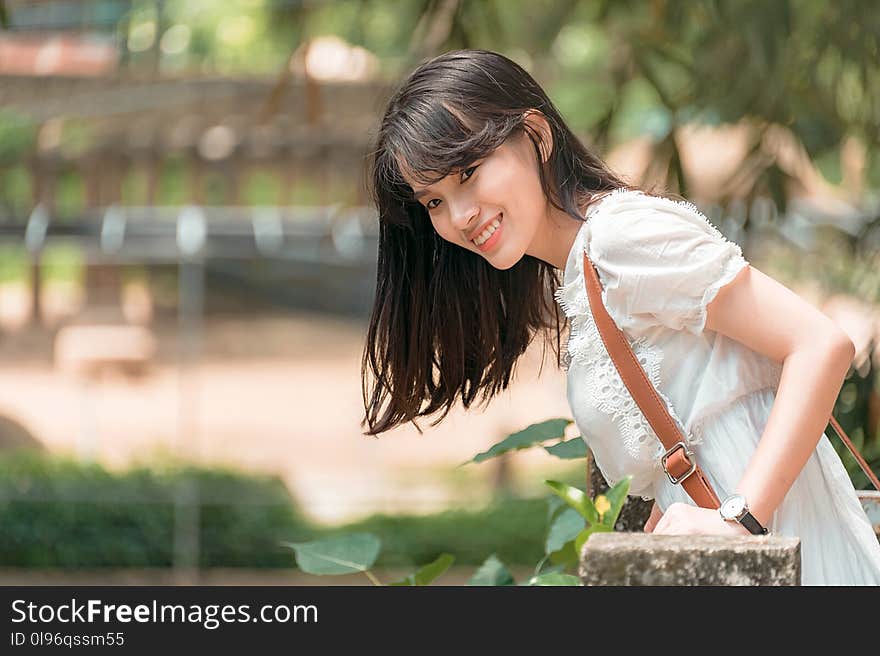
column 852, row 449
column 677, row 462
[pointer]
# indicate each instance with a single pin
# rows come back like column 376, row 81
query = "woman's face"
column 502, row 192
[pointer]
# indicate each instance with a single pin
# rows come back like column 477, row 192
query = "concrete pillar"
column 621, row 558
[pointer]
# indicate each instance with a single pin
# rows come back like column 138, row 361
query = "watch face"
column 733, row 506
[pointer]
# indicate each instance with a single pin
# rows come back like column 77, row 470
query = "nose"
column 464, row 216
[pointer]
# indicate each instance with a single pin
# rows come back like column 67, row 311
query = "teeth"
column 483, row 236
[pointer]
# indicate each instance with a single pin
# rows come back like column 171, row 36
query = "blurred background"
column 187, row 258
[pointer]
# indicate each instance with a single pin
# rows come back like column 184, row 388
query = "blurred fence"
column 320, row 258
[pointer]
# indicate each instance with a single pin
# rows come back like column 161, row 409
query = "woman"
column 483, row 195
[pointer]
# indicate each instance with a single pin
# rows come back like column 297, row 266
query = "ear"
column 538, row 122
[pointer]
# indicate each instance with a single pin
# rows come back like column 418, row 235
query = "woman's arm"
column 816, row 354
column 811, row 379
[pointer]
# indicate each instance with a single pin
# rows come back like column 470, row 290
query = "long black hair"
column 445, row 323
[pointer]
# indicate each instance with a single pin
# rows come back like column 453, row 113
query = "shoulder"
column 633, row 221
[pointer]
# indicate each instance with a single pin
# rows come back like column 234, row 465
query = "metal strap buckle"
column 688, row 453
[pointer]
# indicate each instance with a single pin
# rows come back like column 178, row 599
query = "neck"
column 556, row 237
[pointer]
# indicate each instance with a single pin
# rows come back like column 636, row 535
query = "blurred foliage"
column 838, row 263
column 59, row 513
column 512, row 528
column 13, row 263
column 18, row 135
column 572, row 517
column 616, row 69
column 172, row 182
column 76, row 137
column 857, row 409
column 59, row 262
column 63, row 263
column 620, row 69
column 134, row 187
column 56, row 512
column 16, row 193
column 261, row 188
column 70, row 198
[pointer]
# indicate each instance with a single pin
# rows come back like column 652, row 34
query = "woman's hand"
column 684, row 519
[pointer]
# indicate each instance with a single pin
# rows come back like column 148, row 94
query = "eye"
column 468, row 171
column 472, row 168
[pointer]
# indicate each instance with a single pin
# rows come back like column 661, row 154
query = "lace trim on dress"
column 604, row 385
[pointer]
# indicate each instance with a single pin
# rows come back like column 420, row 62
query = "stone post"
column 621, row 558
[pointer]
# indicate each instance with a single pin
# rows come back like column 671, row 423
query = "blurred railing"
column 322, row 258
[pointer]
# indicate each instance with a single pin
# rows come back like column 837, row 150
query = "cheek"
column 517, row 189
column 445, row 230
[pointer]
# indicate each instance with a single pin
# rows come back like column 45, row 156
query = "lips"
column 479, row 230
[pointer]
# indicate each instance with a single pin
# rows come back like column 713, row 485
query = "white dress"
column 661, row 262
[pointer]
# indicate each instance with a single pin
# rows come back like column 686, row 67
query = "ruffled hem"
column 732, row 264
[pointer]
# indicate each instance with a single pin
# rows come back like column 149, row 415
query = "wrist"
column 735, row 509
column 756, row 505
column 739, row 528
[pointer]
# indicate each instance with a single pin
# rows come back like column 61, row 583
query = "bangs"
column 428, row 141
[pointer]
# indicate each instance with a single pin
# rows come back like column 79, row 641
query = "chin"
column 504, row 262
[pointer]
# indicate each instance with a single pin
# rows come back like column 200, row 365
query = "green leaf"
column 564, row 529
column 347, row 554
column 616, row 496
column 549, row 569
column 568, row 450
column 427, row 573
column 566, row 557
column 551, row 429
column 584, row 535
column 575, row 498
column 554, row 507
column 554, row 579
column 492, row 572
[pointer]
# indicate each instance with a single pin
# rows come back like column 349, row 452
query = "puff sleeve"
column 661, row 262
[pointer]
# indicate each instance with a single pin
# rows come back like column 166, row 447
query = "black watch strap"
column 748, row 520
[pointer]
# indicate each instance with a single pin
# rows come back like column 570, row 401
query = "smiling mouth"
column 486, row 235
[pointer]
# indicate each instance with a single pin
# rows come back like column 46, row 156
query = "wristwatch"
column 735, row 509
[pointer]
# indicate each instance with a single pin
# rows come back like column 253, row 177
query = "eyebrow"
column 421, row 192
